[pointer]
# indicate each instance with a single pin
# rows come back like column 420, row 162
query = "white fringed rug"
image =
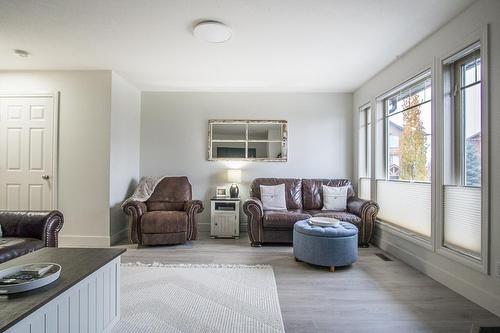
column 198, row 298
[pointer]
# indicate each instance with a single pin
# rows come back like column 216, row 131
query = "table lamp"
column 234, row 177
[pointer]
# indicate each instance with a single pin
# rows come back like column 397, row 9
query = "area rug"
column 199, row 298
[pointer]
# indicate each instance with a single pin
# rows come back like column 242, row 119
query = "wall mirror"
column 249, row 140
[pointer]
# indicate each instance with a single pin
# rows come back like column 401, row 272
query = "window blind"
column 405, row 204
column 462, row 218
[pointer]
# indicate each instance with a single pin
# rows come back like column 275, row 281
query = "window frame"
column 459, row 113
column 419, row 78
column 365, row 112
column 480, row 40
column 380, row 156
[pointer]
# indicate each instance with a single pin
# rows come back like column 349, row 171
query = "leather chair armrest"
column 193, row 208
column 357, row 205
column 43, row 225
column 254, row 212
column 367, row 210
column 134, row 209
column 253, row 206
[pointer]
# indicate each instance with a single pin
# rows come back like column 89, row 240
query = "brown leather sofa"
column 167, row 217
column 27, row 231
column 304, row 199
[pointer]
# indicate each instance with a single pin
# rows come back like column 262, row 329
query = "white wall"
column 174, row 136
column 482, row 289
column 84, row 123
column 124, row 151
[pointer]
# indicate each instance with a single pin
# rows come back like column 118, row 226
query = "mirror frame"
column 283, row 141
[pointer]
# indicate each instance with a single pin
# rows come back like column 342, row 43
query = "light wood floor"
column 370, row 296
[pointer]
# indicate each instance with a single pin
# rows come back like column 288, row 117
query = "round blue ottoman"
column 325, row 246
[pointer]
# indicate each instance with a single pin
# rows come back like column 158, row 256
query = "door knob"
column 45, row 177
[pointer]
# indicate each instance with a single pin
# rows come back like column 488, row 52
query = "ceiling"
column 285, row 45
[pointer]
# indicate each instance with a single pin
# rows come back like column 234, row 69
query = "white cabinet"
column 91, row 305
column 225, row 218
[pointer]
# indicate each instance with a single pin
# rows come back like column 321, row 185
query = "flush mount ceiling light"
column 212, row 31
column 21, row 53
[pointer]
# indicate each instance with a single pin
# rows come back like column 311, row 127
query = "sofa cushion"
column 163, row 222
column 342, row 216
column 11, row 248
column 282, row 220
column 293, row 190
column 312, row 191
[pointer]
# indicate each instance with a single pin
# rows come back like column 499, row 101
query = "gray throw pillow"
column 273, row 197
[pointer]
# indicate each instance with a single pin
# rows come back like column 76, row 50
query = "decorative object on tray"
column 27, row 277
column 324, row 221
column 4, row 241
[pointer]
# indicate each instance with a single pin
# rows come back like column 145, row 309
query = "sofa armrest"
column 134, row 209
column 253, row 206
column 193, row 208
column 254, row 212
column 367, row 210
column 43, row 225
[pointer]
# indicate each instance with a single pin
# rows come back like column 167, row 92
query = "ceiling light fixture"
column 21, row 53
column 212, row 31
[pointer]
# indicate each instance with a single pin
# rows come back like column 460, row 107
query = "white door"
column 26, row 153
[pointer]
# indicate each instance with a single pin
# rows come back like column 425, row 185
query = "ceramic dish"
column 49, row 277
column 324, row 221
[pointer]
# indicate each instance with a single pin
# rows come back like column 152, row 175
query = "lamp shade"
column 234, row 175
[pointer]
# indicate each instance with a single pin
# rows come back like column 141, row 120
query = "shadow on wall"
column 118, row 221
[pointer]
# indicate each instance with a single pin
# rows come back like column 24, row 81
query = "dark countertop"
column 76, row 265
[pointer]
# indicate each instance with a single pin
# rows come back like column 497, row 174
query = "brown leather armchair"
column 27, row 231
column 167, row 217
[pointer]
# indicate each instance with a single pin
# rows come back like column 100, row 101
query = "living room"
column 199, row 146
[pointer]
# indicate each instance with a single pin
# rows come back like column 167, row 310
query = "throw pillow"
column 273, row 197
column 335, row 198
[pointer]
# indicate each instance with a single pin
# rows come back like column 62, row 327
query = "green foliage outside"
column 413, row 145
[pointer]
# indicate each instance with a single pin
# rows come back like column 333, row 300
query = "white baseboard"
column 83, row 241
column 120, row 235
column 470, row 291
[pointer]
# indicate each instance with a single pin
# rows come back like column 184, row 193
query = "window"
column 408, row 123
column 406, row 116
column 364, row 152
column 468, row 109
column 463, row 135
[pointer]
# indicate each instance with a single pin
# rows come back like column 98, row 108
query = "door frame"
column 55, row 95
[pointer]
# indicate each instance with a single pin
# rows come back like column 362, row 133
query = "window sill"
column 458, row 257
column 405, row 234
column 463, row 259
